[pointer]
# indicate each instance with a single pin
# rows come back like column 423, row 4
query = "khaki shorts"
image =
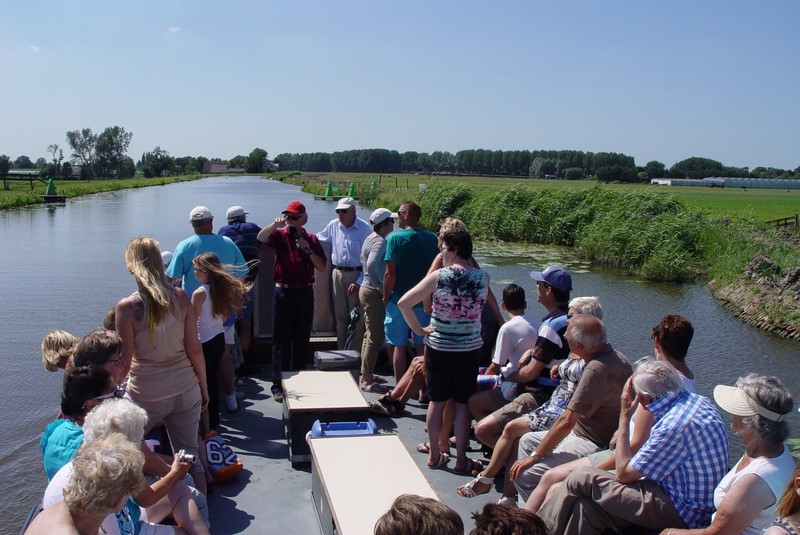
column 522, row 404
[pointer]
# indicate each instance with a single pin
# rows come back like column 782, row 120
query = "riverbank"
column 21, row 194
column 648, row 233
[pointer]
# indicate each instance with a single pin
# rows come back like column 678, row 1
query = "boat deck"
column 272, row 496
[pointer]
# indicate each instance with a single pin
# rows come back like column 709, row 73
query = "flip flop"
column 425, row 447
column 378, row 379
column 474, row 467
column 443, row 459
column 468, row 490
column 376, row 387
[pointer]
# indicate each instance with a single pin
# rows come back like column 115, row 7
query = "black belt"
column 342, row 268
column 293, row 286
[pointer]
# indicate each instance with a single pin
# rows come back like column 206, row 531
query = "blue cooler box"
column 342, row 429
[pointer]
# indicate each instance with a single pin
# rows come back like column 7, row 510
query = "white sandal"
column 468, row 490
column 508, row 500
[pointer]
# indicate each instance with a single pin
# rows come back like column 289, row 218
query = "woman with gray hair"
column 747, row 496
column 158, row 497
column 105, row 473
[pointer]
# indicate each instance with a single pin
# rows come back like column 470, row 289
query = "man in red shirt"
column 297, row 255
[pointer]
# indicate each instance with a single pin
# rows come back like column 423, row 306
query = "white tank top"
column 208, row 326
column 775, row 472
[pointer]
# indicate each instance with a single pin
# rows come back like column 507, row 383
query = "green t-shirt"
column 412, row 250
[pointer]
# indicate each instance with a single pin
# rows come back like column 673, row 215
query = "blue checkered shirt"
column 687, row 454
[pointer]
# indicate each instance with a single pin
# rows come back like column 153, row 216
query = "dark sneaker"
column 381, row 409
column 277, row 393
column 399, row 406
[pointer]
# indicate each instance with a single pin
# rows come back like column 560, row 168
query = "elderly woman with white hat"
column 747, row 496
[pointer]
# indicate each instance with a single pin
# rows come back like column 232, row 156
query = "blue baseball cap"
column 554, row 276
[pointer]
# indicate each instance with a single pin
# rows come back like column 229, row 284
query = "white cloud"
column 35, row 49
column 174, row 29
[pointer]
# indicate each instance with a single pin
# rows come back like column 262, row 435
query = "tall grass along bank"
column 650, row 235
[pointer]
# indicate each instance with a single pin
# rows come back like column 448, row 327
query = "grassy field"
column 21, row 194
column 758, row 205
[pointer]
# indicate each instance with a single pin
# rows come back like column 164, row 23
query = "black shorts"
column 451, row 374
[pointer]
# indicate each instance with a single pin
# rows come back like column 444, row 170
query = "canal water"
column 63, row 267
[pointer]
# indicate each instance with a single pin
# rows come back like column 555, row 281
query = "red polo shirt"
column 292, row 266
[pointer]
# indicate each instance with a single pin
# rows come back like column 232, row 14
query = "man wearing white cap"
column 245, row 235
column 346, row 235
column 203, row 241
column 370, row 294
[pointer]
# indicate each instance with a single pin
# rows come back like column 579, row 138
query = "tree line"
column 104, row 155
column 560, row 164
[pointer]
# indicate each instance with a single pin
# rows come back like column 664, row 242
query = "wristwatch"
column 535, row 457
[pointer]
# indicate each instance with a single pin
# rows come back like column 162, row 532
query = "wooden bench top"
column 362, row 476
column 318, row 390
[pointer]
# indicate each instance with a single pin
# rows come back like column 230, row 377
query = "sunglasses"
column 296, row 217
column 341, row 210
column 116, row 393
column 119, row 360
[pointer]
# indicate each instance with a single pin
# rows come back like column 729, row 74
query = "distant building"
column 730, row 182
column 210, row 168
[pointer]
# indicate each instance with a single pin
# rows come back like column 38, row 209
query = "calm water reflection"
column 63, row 268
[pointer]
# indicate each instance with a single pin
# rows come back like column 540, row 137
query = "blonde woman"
column 220, row 295
column 788, row 510
column 57, row 348
column 159, row 333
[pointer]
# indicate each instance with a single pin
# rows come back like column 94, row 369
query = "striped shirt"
column 687, row 454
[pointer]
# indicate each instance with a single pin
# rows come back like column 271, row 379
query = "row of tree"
column 562, row 164
column 104, row 155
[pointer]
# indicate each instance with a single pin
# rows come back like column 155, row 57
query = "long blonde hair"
column 790, row 501
column 143, row 260
column 227, row 291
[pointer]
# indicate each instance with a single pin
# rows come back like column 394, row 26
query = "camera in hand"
column 186, row 457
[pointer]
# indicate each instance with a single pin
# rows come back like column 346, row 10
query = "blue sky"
column 656, row 80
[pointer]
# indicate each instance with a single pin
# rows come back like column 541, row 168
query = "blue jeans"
column 292, row 316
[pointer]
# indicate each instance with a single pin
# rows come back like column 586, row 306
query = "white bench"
column 317, row 395
column 349, row 495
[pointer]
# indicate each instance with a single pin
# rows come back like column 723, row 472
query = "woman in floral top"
column 452, row 340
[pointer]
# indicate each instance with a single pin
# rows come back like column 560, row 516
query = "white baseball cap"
column 380, row 215
column 345, row 203
column 235, row 211
column 200, row 213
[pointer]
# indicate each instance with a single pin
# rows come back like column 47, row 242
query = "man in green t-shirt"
column 409, row 254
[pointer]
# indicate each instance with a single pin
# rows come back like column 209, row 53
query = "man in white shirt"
column 346, row 235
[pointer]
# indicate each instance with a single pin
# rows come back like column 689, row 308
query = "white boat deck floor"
column 271, row 496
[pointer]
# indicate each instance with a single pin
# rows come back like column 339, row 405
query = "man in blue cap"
column 553, row 287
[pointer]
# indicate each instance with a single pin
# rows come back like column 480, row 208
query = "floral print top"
column 457, row 303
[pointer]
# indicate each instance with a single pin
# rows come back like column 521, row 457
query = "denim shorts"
column 396, row 328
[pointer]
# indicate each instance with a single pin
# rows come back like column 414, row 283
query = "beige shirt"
column 161, row 368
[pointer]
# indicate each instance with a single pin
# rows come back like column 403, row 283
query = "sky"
column 656, row 80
